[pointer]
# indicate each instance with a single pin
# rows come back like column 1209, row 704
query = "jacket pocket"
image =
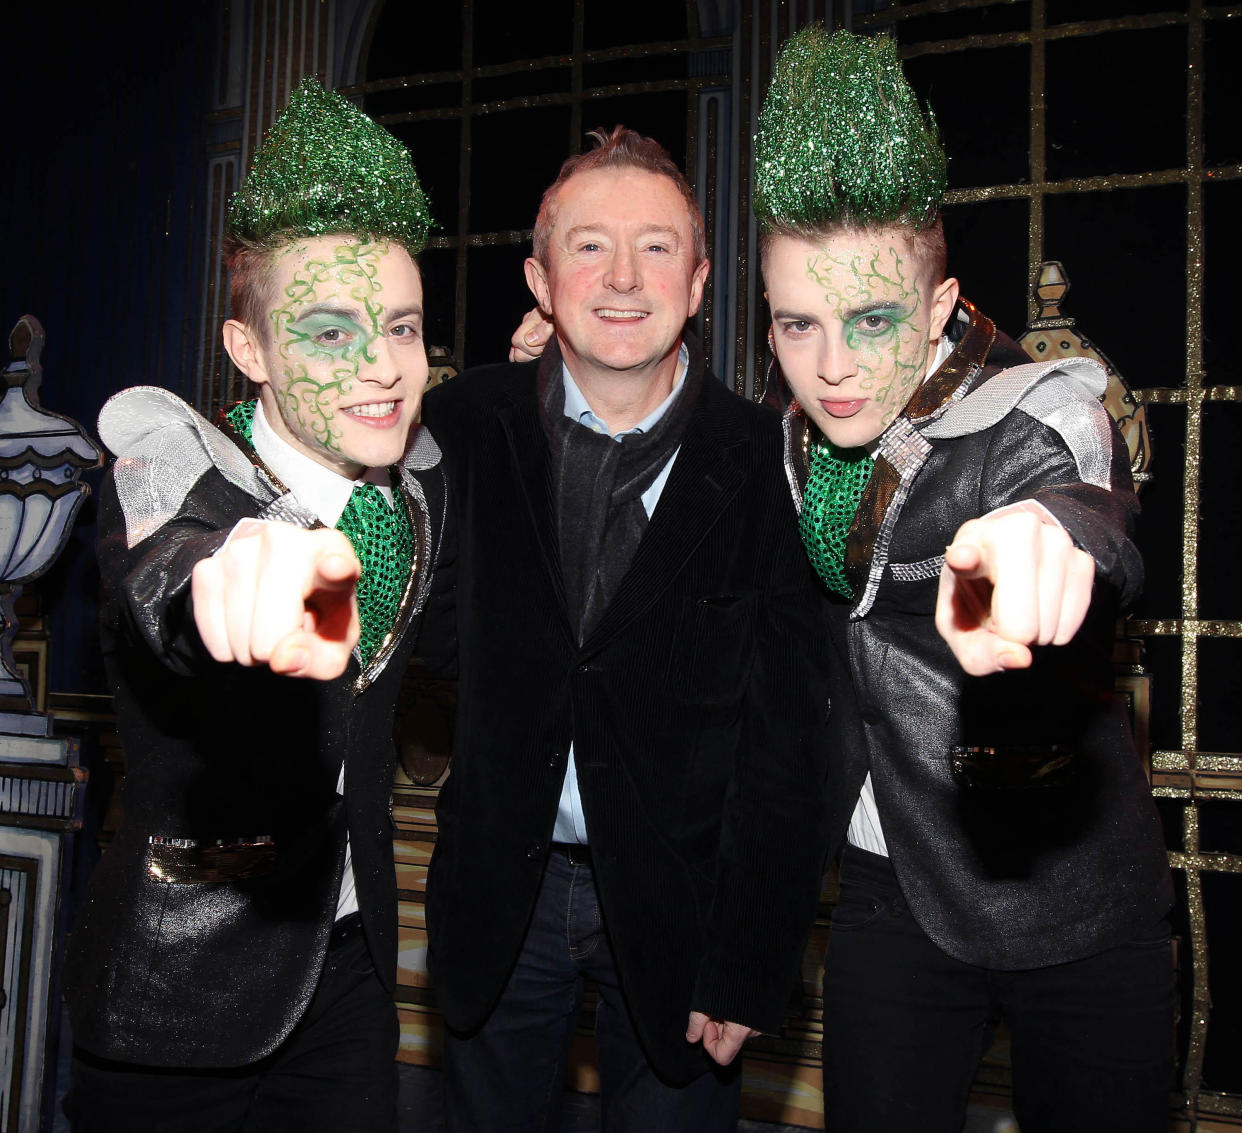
column 711, row 654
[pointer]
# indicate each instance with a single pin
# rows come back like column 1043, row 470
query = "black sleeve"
column 146, row 587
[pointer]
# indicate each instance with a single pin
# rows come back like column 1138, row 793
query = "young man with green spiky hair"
column 1002, row 857
column 232, row 967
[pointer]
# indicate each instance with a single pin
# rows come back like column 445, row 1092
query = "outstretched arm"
column 1025, row 573
column 1010, row 580
column 280, row 596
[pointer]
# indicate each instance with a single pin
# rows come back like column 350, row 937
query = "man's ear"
column 244, row 347
column 537, row 281
column 696, row 285
column 944, row 299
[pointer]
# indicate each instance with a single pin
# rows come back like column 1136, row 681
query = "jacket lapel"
column 706, row 475
column 528, row 449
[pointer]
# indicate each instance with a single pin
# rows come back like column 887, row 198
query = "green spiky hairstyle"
column 842, row 139
column 325, row 167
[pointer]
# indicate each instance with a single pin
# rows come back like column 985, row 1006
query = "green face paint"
column 876, row 298
column 344, row 367
column 852, row 320
column 332, row 336
column 319, row 337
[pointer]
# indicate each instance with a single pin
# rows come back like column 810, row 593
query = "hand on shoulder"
column 530, row 337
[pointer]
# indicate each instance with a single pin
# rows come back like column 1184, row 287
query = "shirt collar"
column 316, row 486
column 577, row 409
column 943, row 349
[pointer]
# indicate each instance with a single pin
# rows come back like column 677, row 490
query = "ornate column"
column 42, row 455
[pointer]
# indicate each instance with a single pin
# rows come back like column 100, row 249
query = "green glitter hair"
column 324, row 168
column 843, row 141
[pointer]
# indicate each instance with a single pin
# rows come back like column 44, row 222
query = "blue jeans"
column 510, row 1075
column 905, row 1025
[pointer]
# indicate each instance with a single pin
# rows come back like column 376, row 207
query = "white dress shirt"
column 325, row 493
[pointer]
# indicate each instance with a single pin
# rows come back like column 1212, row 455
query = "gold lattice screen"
column 1131, row 178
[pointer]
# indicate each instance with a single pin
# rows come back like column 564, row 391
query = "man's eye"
column 657, row 247
column 331, row 336
column 589, row 246
column 796, row 326
column 874, row 324
column 403, row 330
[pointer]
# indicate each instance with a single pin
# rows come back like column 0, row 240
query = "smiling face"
column 620, row 277
column 342, row 367
column 855, row 318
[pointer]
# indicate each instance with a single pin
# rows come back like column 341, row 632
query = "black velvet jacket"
column 696, row 707
column 1006, row 878
column 190, row 954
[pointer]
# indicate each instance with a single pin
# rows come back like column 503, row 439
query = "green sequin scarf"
column 382, row 539
column 834, row 486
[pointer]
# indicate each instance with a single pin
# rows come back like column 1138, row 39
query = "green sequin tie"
column 381, row 539
column 834, row 487
column 384, row 544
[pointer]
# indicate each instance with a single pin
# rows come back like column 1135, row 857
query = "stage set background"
column 1101, row 133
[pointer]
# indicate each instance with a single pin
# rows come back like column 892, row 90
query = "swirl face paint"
column 855, row 322
column 344, row 365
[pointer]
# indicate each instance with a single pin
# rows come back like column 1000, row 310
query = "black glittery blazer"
column 696, row 708
column 1005, row 878
column 206, row 923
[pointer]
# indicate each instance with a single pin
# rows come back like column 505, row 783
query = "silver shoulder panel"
column 1062, row 394
column 162, row 448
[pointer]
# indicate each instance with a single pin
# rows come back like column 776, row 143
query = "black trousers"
column 336, row 1071
column 905, row 1025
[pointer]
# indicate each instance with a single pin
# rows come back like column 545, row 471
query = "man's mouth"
column 616, row 313
column 843, row 408
column 372, row 409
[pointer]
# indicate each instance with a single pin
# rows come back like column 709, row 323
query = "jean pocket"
column 855, row 909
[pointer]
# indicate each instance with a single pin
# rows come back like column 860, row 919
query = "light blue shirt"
column 570, row 821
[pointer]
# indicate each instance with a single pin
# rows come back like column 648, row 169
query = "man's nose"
column 379, row 363
column 837, row 361
column 624, row 273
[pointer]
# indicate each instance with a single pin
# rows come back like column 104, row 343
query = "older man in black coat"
column 636, row 794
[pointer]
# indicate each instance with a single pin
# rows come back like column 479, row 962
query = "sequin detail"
column 835, row 484
column 241, row 417
column 325, row 168
column 842, row 138
column 381, row 538
column 384, row 544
